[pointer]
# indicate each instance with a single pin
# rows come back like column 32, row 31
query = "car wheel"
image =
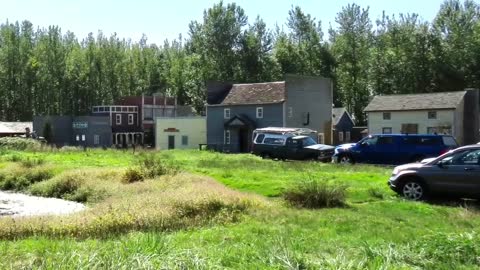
column 266, row 156
column 345, row 159
column 413, row 189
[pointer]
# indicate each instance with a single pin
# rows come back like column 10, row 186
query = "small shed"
column 11, row 129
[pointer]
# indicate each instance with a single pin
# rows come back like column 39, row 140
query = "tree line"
column 45, row 71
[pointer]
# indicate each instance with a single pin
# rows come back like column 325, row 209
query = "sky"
column 160, row 20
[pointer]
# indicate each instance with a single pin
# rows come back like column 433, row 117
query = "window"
column 387, row 116
column 387, row 130
column 468, row 157
column 259, row 112
column 340, row 136
column 370, row 141
column 260, row 138
column 77, row 138
column 130, row 119
column 321, row 138
column 347, row 136
column 449, row 141
column 226, row 113
column 83, row 137
column 96, row 139
column 184, row 140
column 410, row 128
column 385, row 140
column 290, row 112
column 226, row 137
column 432, row 115
column 118, row 118
column 274, row 141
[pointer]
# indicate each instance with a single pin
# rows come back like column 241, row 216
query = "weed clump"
column 316, row 194
column 18, row 178
column 32, row 162
column 153, row 166
column 132, row 175
column 20, row 144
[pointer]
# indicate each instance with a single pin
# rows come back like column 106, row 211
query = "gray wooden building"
column 235, row 110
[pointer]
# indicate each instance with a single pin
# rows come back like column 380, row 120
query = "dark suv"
column 394, row 148
column 454, row 173
column 290, row 146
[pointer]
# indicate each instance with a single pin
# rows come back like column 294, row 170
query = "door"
column 243, row 140
column 293, row 149
column 457, row 173
column 171, row 142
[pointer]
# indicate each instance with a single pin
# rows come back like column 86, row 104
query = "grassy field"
column 223, row 211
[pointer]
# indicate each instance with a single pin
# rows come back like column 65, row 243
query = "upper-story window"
column 290, row 112
column 259, row 112
column 387, row 116
column 432, row 115
column 226, row 113
column 130, row 119
column 118, row 119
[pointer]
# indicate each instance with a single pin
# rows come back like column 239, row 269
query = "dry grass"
column 164, row 203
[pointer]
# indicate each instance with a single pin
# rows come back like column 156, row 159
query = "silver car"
column 456, row 172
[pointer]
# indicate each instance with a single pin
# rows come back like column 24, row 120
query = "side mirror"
column 442, row 163
column 363, row 144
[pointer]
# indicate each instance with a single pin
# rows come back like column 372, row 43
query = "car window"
column 308, row 142
column 418, row 140
column 468, row 157
column 385, row 140
column 449, row 141
column 260, row 138
column 274, row 141
column 370, row 141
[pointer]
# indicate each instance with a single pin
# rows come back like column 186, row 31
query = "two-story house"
column 235, row 110
column 453, row 113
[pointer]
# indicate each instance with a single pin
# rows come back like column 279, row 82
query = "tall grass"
column 316, row 194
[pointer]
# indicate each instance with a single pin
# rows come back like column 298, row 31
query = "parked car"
column 394, row 148
column 456, row 172
column 289, row 145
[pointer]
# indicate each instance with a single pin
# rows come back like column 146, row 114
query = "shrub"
column 61, row 186
column 17, row 143
column 132, row 175
column 153, row 166
column 32, row 162
column 20, row 179
column 316, row 194
column 70, row 149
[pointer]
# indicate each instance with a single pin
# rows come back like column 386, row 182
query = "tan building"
column 180, row 132
column 453, row 113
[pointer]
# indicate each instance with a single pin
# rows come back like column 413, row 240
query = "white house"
column 180, row 132
column 454, row 113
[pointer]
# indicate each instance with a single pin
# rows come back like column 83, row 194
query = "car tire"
column 346, row 159
column 413, row 189
column 266, row 156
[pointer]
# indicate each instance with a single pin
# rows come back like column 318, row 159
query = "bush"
column 316, row 194
column 132, row 175
column 62, row 186
column 17, row 143
column 153, row 166
column 32, row 162
column 20, row 179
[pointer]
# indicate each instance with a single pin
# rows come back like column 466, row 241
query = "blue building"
column 235, row 110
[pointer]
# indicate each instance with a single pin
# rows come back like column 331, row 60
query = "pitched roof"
column 411, row 102
column 15, row 127
column 255, row 93
column 337, row 114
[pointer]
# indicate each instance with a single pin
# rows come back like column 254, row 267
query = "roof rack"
column 285, row 130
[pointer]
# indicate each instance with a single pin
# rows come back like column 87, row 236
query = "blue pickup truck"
column 394, row 148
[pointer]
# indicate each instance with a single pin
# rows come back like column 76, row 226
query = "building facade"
column 343, row 127
column 90, row 131
column 180, row 132
column 453, row 113
column 235, row 110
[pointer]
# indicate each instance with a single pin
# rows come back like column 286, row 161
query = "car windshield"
column 308, row 142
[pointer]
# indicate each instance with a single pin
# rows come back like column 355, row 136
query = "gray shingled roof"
column 443, row 100
column 337, row 114
column 15, row 127
column 255, row 93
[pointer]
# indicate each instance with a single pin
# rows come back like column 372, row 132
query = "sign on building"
column 80, row 125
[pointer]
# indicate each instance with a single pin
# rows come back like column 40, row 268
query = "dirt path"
column 16, row 204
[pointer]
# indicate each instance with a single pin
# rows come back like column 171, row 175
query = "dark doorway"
column 171, row 142
column 243, row 137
